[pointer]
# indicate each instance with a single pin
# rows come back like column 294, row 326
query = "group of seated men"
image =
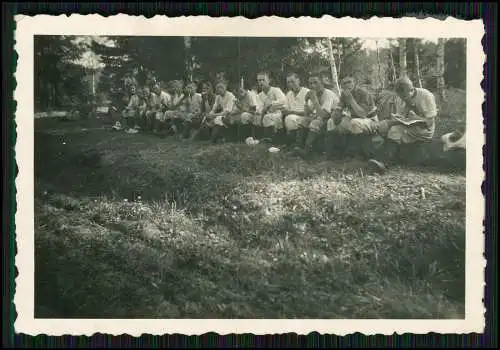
column 297, row 118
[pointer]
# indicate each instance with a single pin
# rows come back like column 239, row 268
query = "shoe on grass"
column 376, row 166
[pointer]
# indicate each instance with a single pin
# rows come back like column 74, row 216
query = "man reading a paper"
column 416, row 123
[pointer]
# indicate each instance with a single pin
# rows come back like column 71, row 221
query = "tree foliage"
column 59, row 80
column 57, row 77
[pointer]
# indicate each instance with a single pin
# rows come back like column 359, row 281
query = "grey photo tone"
column 249, row 177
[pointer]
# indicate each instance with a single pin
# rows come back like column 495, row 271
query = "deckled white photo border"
column 123, row 24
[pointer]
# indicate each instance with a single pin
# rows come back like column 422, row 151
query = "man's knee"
column 292, row 122
column 273, row 120
column 316, row 126
column 219, row 121
column 245, row 118
column 396, row 133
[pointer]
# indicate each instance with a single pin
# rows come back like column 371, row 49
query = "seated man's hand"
column 412, row 115
column 346, row 98
column 337, row 116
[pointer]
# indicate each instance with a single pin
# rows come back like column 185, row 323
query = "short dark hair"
column 264, row 73
column 401, row 83
column 208, row 83
column 317, row 75
column 347, row 79
column 294, row 75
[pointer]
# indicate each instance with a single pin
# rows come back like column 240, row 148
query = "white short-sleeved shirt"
column 224, row 103
column 177, row 98
column 423, row 104
column 296, row 102
column 328, row 100
column 192, row 104
column 274, row 97
column 165, row 98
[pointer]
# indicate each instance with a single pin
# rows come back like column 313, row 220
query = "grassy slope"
column 231, row 231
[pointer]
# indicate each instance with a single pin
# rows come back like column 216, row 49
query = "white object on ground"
column 117, row 126
column 422, row 192
column 251, row 141
column 132, row 131
column 274, row 149
column 449, row 145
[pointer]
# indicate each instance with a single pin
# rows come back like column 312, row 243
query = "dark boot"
column 200, row 133
column 280, row 137
column 311, row 139
column 245, row 131
column 300, row 136
column 368, row 147
column 291, row 136
column 386, row 156
column 186, row 128
column 331, row 143
column 268, row 134
column 233, row 133
column 216, row 133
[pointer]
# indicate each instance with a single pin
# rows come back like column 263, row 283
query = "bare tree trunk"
column 188, row 58
column 440, row 69
column 335, row 79
column 378, row 63
column 393, row 67
column 417, row 63
column 339, row 55
column 403, row 71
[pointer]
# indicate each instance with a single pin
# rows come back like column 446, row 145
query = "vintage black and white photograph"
column 251, row 177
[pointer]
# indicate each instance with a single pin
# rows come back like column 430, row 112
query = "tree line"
column 60, row 81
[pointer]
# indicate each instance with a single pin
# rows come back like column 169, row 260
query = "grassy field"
column 138, row 226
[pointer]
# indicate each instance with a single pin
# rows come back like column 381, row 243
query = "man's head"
column 157, row 88
column 133, row 89
column 404, row 88
column 263, row 80
column 293, row 81
column 316, row 82
column 220, row 76
column 220, row 88
column 190, row 88
column 347, row 84
column 207, row 88
column 177, row 86
column 145, row 91
column 241, row 91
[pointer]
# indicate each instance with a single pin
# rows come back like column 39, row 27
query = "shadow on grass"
column 236, row 232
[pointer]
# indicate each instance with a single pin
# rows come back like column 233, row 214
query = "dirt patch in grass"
column 137, row 226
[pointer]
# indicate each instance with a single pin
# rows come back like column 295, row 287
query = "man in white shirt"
column 416, row 123
column 320, row 103
column 177, row 101
column 273, row 102
column 158, row 103
column 244, row 112
column 219, row 117
column 296, row 120
column 190, row 110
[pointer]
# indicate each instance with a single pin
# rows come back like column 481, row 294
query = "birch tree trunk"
column 393, row 66
column 440, row 69
column 378, row 63
column 335, row 79
column 403, row 71
column 417, row 63
column 188, row 58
